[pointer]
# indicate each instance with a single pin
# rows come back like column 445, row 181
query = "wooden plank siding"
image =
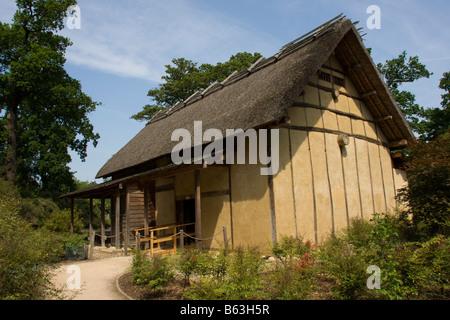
column 136, row 215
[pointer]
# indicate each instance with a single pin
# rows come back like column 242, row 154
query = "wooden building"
column 338, row 126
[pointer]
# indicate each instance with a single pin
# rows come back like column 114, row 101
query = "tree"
column 439, row 118
column 43, row 110
column 428, row 192
column 402, row 70
column 185, row 78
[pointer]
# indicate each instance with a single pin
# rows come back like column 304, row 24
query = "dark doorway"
column 189, row 214
column 188, row 211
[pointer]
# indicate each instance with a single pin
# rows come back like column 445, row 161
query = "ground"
column 98, row 276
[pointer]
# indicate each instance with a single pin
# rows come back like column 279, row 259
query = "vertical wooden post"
column 91, row 228
column 91, row 246
column 117, row 218
column 231, row 207
column 175, row 239
column 151, row 242
column 127, row 222
column 225, row 238
column 138, row 242
column 198, row 211
column 102, row 221
column 146, row 210
column 273, row 220
column 91, row 214
column 181, row 239
column 72, row 209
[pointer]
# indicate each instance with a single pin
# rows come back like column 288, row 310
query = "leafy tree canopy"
column 402, row 70
column 43, row 111
column 185, row 77
column 439, row 118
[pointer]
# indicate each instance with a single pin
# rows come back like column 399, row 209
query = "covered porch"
column 135, row 218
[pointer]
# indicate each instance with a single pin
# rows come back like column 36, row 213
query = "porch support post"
column 102, row 222
column 198, row 211
column 117, row 217
column 127, row 221
column 146, row 204
column 72, row 208
column 91, row 213
column 91, row 228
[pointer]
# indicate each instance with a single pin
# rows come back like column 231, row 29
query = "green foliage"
column 409, row 270
column 346, row 265
column 60, row 222
column 186, row 263
column 236, row 276
column 428, row 192
column 44, row 112
column 402, row 70
column 185, row 77
column 439, row 118
column 26, row 255
column 292, row 276
column 154, row 272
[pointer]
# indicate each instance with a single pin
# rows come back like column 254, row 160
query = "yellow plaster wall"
column 337, row 183
column 165, row 203
column 215, row 209
column 251, row 206
column 303, row 188
column 282, row 186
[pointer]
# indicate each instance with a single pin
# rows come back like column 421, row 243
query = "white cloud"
column 137, row 41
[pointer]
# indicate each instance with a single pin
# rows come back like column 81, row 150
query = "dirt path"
column 97, row 278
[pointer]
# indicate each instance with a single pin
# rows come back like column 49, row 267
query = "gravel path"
column 97, row 278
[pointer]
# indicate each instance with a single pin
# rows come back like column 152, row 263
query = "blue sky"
column 121, row 49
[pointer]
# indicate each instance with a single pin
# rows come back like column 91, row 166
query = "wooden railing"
column 156, row 239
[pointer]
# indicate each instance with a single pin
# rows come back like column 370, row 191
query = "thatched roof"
column 262, row 95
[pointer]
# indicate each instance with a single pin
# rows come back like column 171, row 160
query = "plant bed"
column 173, row 291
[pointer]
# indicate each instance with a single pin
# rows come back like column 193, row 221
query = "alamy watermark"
column 374, row 281
column 74, row 281
column 374, row 20
column 73, row 18
column 222, row 149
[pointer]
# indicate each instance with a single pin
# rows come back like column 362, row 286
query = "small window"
column 339, row 81
column 325, row 76
column 332, row 79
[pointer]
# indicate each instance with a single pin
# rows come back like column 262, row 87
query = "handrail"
column 151, row 235
column 164, row 227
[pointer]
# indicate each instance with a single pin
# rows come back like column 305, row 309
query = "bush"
column 292, row 277
column 236, row 276
column 427, row 195
column 25, row 256
column 346, row 265
column 153, row 272
column 187, row 262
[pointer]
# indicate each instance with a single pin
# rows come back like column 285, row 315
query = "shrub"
column 25, row 256
column 59, row 221
column 236, row 276
column 427, row 195
column 346, row 265
column 292, row 276
column 187, row 262
column 153, row 272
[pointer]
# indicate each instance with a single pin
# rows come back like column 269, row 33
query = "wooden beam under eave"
column 368, row 94
column 384, row 119
column 398, row 144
